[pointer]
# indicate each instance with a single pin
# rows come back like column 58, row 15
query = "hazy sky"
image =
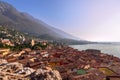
column 94, row 20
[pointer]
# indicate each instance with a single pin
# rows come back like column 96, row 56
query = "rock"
column 13, row 71
column 56, row 75
column 27, row 71
column 43, row 74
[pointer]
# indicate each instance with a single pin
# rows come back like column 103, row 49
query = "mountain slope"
column 62, row 33
column 23, row 22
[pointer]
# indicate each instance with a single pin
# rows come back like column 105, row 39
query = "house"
column 54, row 62
column 110, row 74
column 4, row 52
column 113, row 78
column 32, row 43
column 7, row 42
column 92, row 51
column 107, row 71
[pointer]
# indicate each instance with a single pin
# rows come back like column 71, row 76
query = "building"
column 4, row 52
column 113, row 78
column 32, row 42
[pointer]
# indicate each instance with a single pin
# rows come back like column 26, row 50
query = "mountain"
column 24, row 22
column 10, row 16
column 60, row 32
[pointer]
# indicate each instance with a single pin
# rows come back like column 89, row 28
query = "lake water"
column 113, row 49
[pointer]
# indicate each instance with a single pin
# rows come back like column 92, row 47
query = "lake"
column 112, row 49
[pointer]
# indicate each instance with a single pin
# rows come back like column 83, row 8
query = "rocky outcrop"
column 46, row 74
column 16, row 71
column 10, row 71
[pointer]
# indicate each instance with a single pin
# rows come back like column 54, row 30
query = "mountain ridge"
column 26, row 23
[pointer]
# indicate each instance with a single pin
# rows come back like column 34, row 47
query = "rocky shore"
column 58, row 63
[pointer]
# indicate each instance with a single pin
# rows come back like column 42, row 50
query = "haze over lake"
column 112, row 49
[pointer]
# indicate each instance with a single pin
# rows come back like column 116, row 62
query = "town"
column 24, row 58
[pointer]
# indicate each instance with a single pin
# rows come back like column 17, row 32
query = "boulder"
column 44, row 74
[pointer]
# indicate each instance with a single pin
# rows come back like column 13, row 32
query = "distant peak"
column 3, row 2
column 4, row 6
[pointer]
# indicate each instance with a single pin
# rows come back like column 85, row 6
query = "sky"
column 92, row 20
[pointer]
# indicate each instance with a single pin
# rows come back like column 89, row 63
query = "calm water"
column 113, row 49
